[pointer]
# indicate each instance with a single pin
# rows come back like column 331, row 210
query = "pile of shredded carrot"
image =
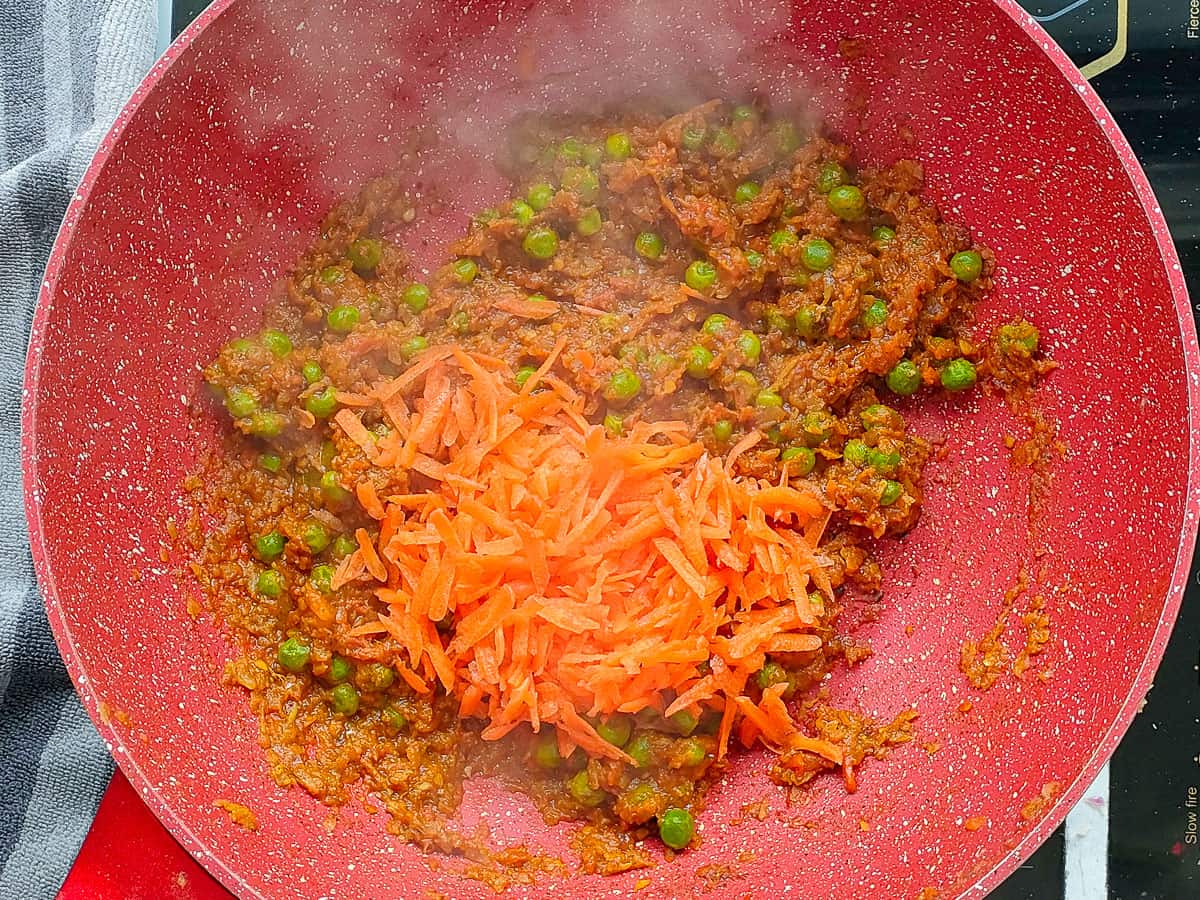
column 583, row 574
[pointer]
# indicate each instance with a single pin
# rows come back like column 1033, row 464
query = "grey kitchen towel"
column 66, row 68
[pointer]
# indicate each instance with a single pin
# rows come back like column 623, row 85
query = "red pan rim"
column 143, row 783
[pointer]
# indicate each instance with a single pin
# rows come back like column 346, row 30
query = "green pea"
column 883, row 461
column 882, row 234
column 365, row 254
column 333, row 275
column 856, row 452
column 540, row 243
column 958, row 375
column 523, row 374
column 1018, row 336
column 276, row 341
column 344, row 545
column 754, row 259
column 817, row 254
column 768, row 399
column 241, row 402
column 831, row 175
column 716, row 323
column 746, row 191
column 483, row 217
column 693, row 134
column 676, row 828
column 589, row 222
column 966, row 265
column 266, row 424
column 787, row 138
column 540, row 195
column 632, row 351
column 340, row 669
column 722, row 430
column 582, row 182
column 623, row 384
column 616, row 730
column 394, row 719
column 639, row 796
column 269, row 583
column 684, row 721
column 342, row 318
column 744, row 113
column 344, row 698
column 332, row 490
column 746, row 382
column 321, row 578
column 641, row 751
column 239, row 346
column 648, row 245
column 416, row 297
column 322, row 404
column 570, row 148
column 777, row 320
column 269, row 546
column 545, row 752
column 314, row 535
column 464, row 270
column 875, row 314
column 413, row 346
column 328, row 453
column 614, row 425
column 376, row 677
column 751, row 346
column 311, row 372
column 817, row 426
column 293, row 655
column 618, row 145
column 807, row 321
column 724, row 143
column 270, row 462
column 699, row 361
column 536, row 298
column 582, row 791
column 700, row 275
column 801, row 460
column 782, row 238
column 798, row 278
column 891, row 493
column 879, row 416
column 905, row 378
column 847, row 202
column 592, row 154
column 770, row 675
column 522, row 212
column 459, row 322
column 691, row 752
column 661, row 362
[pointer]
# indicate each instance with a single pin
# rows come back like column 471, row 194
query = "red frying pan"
column 214, row 179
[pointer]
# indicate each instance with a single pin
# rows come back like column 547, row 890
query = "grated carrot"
column 527, row 309
column 583, row 574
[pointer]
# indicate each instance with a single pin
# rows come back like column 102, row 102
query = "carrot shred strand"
column 583, row 573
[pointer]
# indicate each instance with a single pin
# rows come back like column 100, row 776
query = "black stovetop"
column 1143, row 58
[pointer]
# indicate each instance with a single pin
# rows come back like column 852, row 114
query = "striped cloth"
column 66, row 67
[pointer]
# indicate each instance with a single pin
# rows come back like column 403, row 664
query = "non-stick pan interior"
column 246, row 134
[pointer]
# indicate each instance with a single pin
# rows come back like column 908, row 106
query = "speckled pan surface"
column 214, row 179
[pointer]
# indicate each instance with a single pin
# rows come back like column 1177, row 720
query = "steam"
column 330, row 96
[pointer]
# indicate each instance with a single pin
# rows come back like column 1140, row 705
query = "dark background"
column 1154, row 95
